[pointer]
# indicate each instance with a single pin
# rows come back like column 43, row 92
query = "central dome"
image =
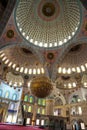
column 48, row 23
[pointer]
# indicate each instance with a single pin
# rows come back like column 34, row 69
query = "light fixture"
column 41, row 87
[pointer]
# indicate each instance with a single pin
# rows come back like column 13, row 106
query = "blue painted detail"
column 12, row 111
column 9, row 92
column 1, row 92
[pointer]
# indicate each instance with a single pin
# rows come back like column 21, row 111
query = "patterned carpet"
column 17, row 127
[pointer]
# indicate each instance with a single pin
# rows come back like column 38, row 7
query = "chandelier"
column 41, row 87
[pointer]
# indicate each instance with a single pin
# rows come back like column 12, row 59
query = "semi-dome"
column 48, row 23
column 66, row 82
column 75, row 61
column 22, row 60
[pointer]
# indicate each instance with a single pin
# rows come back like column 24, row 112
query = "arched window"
column 75, row 99
column 38, row 111
column 31, row 99
column 30, row 109
column 43, row 111
column 25, row 107
column 39, row 101
column 0, row 93
column 79, row 110
column 12, row 106
column 43, row 102
column 14, row 97
column 26, row 98
column 73, row 111
column 7, row 94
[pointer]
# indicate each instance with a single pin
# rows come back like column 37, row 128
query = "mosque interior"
column 43, row 62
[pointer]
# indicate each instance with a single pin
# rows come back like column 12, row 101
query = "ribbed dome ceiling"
column 48, row 23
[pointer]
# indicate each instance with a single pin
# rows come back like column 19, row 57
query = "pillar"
column 49, row 106
column 34, row 114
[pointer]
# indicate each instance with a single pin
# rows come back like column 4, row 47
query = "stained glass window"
column 30, row 109
column 75, row 99
column 31, row 99
column 43, row 102
column 38, row 110
column 26, row 98
column 43, row 111
column 39, row 101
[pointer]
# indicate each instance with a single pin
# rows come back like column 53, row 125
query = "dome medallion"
column 48, row 9
column 48, row 23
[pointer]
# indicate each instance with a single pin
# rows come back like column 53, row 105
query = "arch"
column 71, row 96
column 75, row 124
column 80, row 120
column 61, row 97
column 7, row 94
column 73, row 110
column 58, row 101
column 63, row 53
column 73, row 121
column 75, row 98
column 14, row 97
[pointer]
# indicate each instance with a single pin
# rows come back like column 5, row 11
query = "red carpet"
column 17, row 127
